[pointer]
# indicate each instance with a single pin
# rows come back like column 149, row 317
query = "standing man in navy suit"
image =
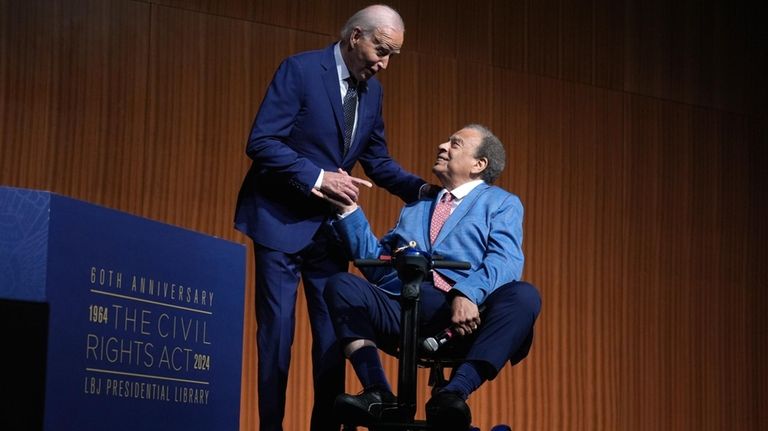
column 470, row 221
column 320, row 116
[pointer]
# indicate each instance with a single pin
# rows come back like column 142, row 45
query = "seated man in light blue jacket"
column 469, row 220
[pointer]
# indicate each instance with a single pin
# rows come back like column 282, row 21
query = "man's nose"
column 384, row 62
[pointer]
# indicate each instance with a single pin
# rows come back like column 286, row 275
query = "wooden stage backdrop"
column 636, row 133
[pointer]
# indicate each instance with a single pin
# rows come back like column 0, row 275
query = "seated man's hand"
column 465, row 315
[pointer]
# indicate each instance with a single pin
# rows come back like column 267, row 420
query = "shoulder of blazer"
column 501, row 198
column 500, row 193
column 497, row 192
column 493, row 196
column 322, row 57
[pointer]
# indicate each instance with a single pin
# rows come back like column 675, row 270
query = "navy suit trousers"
column 362, row 311
column 277, row 279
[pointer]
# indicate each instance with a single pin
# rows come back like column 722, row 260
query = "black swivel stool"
column 412, row 266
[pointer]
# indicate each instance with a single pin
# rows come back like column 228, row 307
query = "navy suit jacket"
column 486, row 230
column 297, row 132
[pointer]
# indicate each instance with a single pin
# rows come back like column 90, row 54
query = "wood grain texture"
column 578, row 41
column 73, row 83
column 509, row 34
column 544, row 38
column 608, row 40
column 312, row 16
column 635, row 135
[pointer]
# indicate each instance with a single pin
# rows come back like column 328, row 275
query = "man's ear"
column 355, row 36
column 480, row 165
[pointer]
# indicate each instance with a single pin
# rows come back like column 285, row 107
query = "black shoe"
column 365, row 408
column 447, row 411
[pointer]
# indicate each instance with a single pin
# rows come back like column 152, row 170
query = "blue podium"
column 116, row 322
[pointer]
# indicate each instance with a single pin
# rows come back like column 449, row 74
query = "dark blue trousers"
column 277, row 278
column 362, row 311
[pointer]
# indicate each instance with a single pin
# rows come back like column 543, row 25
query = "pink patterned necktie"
column 439, row 216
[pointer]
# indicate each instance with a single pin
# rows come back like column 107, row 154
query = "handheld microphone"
column 432, row 344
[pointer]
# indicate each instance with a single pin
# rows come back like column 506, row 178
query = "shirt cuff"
column 344, row 215
column 319, row 181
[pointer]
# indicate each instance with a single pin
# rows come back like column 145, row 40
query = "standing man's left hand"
column 343, row 181
column 340, row 187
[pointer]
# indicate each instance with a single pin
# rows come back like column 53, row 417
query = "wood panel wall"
column 636, row 133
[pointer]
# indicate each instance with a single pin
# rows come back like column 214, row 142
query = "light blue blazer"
column 485, row 230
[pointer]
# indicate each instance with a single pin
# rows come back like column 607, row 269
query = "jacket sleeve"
column 272, row 127
column 361, row 243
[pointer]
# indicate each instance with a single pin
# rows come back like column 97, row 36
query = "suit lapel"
column 466, row 205
column 331, row 84
column 362, row 108
column 426, row 215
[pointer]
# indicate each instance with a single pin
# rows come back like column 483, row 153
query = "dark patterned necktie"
column 350, row 106
column 439, row 216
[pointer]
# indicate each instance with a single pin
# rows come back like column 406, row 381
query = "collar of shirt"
column 460, row 192
column 341, row 70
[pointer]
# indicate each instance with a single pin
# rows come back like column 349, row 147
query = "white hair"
column 371, row 18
